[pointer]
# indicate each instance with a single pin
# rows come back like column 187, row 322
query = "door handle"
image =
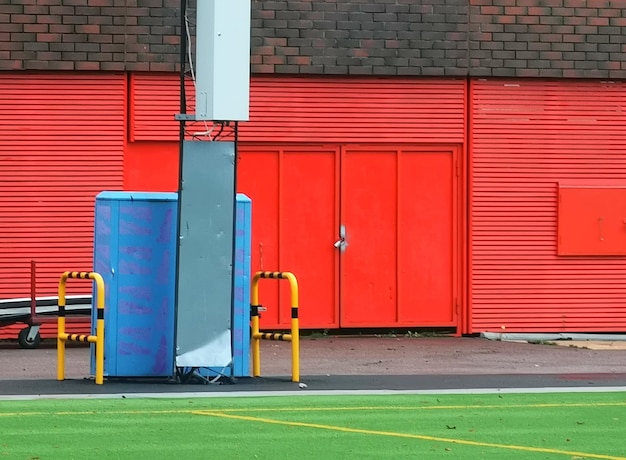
column 341, row 243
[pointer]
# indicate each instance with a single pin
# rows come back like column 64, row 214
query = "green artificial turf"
column 572, row 426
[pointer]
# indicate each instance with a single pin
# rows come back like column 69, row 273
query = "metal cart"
column 35, row 311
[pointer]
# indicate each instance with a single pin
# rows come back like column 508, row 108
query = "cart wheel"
column 22, row 339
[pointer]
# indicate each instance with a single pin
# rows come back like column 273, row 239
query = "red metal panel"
column 317, row 109
column 399, row 206
column 426, row 238
column 62, row 143
column 592, row 220
column 368, row 211
column 293, row 192
column 258, row 177
column 308, row 223
column 526, row 136
column 151, row 166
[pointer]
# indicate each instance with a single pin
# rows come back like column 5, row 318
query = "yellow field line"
column 542, row 450
column 324, row 409
column 413, row 408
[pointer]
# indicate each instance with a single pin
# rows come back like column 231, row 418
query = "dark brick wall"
column 537, row 38
column 356, row 37
column 548, row 38
column 89, row 34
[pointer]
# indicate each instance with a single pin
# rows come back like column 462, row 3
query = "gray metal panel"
column 205, row 255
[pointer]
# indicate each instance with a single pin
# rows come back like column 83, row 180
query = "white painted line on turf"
column 252, row 394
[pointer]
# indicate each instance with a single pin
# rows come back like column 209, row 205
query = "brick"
column 609, row 48
column 87, row 47
column 137, row 66
column 36, row 9
column 527, row 20
column 67, row 19
column 149, row 21
column 49, row 19
column 11, row 46
column 111, row 48
column 23, row 37
column 48, row 56
column 335, row 70
column 112, row 66
column 13, row 9
column 598, row 39
column 550, row 73
column 87, row 28
column 11, row 64
column 597, row 58
column 35, row 65
column 274, row 60
column 287, row 68
column 74, row 57
column 312, row 69
column 22, row 18
column 609, row 13
column 61, row 10
column 574, row 56
column 562, row 47
column 60, row 65
column 272, row 14
column 288, row 51
column 504, row 19
column 299, row 60
column 35, row 46
column 35, row 27
column 394, row 8
column 574, row 38
column 262, row 69
column 87, row 10
column 517, row 46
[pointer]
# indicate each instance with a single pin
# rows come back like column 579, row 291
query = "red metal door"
column 399, row 210
column 294, row 192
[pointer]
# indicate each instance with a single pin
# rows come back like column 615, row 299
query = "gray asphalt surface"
column 346, row 364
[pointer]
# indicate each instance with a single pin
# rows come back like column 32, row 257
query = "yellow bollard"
column 257, row 336
column 98, row 339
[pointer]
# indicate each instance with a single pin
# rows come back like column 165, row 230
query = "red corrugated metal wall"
column 318, row 109
column 526, row 136
column 62, row 143
column 389, row 110
column 295, row 125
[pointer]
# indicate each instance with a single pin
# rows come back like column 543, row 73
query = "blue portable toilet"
column 135, row 252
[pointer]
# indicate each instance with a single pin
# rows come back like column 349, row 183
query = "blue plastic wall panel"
column 241, row 305
column 135, row 252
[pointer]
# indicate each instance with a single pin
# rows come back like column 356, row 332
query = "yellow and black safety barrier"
column 257, row 336
column 98, row 339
